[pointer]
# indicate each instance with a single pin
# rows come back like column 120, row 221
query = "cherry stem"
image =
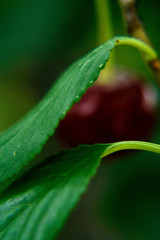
column 131, row 145
column 104, row 23
column 104, row 33
column 149, row 53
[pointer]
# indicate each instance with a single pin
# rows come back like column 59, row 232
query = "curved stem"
column 131, row 145
column 149, row 53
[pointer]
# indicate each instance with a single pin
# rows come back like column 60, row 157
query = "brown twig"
column 136, row 29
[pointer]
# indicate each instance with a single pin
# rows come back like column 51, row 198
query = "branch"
column 136, row 29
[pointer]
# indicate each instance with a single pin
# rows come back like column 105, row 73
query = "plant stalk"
column 131, row 145
column 149, row 53
column 104, row 33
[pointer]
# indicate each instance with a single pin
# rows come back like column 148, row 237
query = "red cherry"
column 124, row 110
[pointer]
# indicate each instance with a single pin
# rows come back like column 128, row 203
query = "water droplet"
column 91, row 82
column 100, row 66
column 14, row 153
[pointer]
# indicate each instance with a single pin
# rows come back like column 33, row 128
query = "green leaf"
column 20, row 144
column 36, row 206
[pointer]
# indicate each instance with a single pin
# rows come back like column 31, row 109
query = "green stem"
column 104, row 31
column 149, row 53
column 104, row 25
column 131, row 145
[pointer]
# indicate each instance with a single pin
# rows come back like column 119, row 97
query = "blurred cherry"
column 123, row 110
